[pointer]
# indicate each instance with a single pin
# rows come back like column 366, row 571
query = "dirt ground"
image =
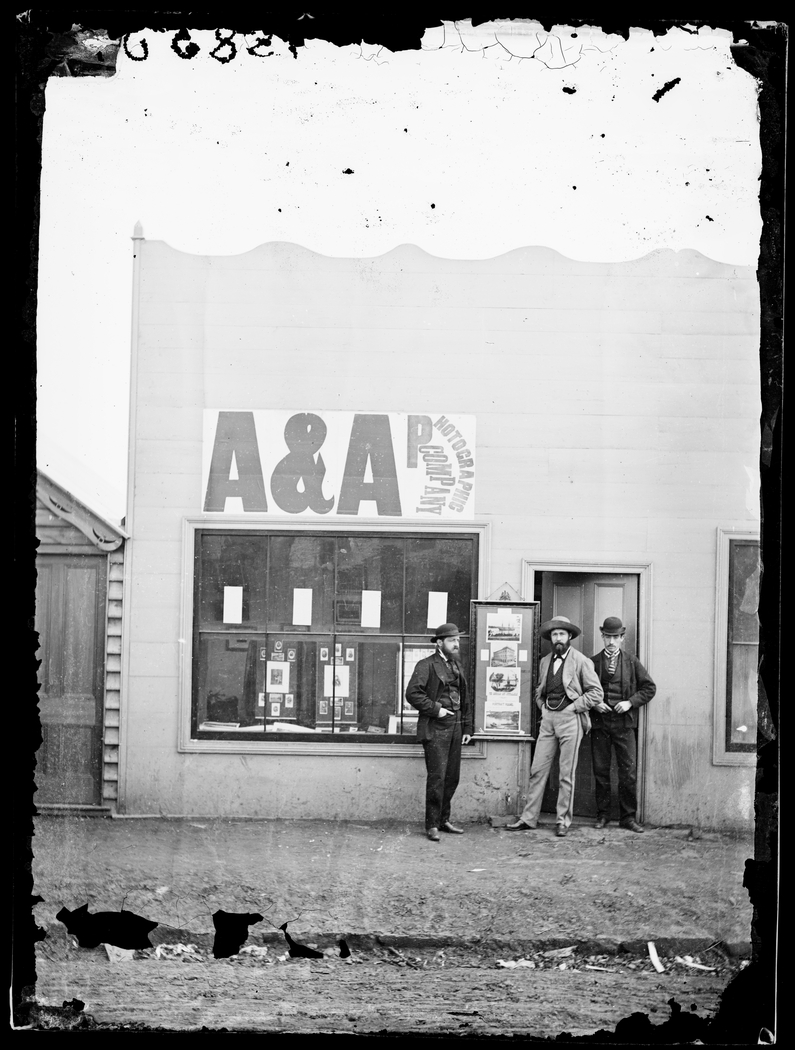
column 431, row 927
column 381, row 991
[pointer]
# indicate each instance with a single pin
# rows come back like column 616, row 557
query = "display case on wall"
column 504, row 666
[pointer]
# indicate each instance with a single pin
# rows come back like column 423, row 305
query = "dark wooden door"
column 70, row 620
column 587, row 598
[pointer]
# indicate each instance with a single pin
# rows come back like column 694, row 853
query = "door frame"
column 65, row 554
column 641, row 569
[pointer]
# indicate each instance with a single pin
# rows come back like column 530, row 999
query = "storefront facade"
column 329, row 457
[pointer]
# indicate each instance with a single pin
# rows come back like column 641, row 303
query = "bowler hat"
column 613, row 625
column 559, row 623
column 447, row 630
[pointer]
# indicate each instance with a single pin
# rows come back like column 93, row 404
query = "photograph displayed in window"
column 302, row 634
column 743, row 645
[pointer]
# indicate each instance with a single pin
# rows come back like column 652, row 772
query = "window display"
column 322, row 662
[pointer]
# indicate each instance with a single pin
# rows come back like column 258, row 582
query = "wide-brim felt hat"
column 613, row 625
column 559, row 623
column 447, row 630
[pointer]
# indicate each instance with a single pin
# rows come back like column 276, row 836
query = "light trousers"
column 560, row 731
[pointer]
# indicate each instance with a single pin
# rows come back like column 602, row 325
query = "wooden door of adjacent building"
column 587, row 598
column 70, row 620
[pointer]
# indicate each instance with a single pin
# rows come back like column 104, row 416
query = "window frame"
column 721, row 755
column 187, row 743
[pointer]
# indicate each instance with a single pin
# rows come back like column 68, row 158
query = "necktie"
column 455, row 696
column 612, row 660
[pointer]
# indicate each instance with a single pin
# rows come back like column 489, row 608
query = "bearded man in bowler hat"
column 439, row 692
column 627, row 686
column 568, row 687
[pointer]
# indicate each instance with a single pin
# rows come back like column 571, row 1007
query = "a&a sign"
column 350, row 464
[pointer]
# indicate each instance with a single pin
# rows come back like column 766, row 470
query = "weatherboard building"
column 329, row 457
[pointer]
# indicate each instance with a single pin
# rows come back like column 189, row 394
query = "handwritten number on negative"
column 190, row 51
column 129, row 54
column 224, row 42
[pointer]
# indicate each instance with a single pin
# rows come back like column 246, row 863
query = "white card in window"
column 437, row 608
column 371, row 608
column 302, row 606
column 233, row 604
column 336, row 681
column 522, row 656
column 484, row 655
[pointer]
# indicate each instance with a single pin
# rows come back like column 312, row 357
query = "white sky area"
column 216, row 159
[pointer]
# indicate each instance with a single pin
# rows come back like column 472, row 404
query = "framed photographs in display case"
column 504, row 665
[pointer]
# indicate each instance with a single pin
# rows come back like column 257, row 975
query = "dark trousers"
column 612, row 732
column 443, row 764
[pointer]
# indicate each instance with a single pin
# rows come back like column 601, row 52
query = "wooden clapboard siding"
column 113, row 666
column 192, row 349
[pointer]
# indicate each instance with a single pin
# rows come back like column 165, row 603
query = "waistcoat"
column 615, row 685
column 451, row 688
column 555, row 694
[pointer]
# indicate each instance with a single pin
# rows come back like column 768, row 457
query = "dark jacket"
column 636, row 683
column 426, row 683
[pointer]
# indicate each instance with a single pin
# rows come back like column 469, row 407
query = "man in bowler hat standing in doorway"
column 627, row 686
column 438, row 690
column 568, row 687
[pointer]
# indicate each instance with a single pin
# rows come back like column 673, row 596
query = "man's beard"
column 453, row 657
column 559, row 648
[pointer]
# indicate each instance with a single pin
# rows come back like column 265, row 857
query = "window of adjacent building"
column 737, row 648
column 742, row 658
column 302, row 634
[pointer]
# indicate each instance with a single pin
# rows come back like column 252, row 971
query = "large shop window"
column 301, row 633
column 737, row 657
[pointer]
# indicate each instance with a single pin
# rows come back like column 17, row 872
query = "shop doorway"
column 586, row 598
column 70, row 620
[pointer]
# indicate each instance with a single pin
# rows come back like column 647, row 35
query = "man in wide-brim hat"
column 438, row 690
column 627, row 686
column 568, row 687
